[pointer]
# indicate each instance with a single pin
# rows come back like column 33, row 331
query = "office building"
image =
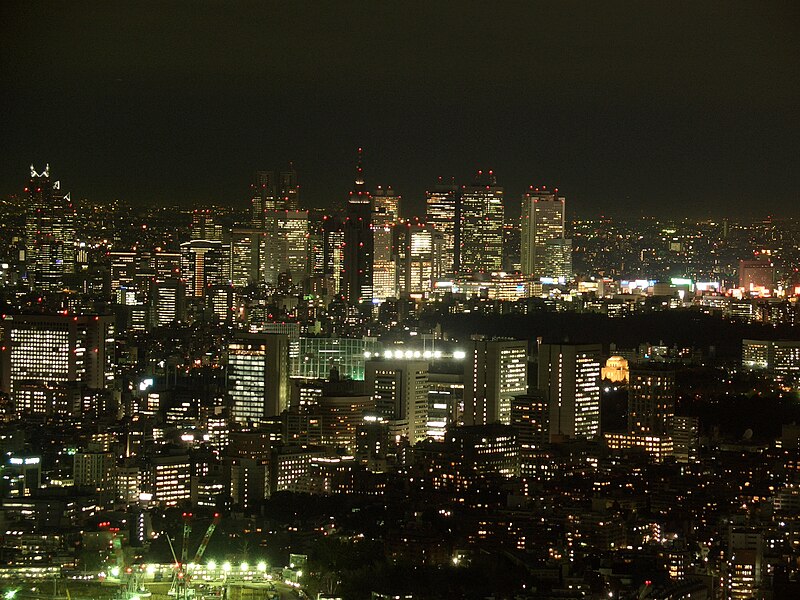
column 481, row 226
column 442, row 208
column 49, row 232
column 48, row 359
column 417, row 247
column 245, row 254
column 494, row 372
column 651, row 399
column 203, row 263
column 544, row 250
column 400, row 392
column 356, row 276
column 569, row 376
column 258, row 376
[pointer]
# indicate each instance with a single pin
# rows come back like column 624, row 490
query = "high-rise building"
column 203, row 263
column 400, row 391
column 544, row 250
column 292, row 253
column 529, row 418
column 258, row 373
column 494, row 372
column 245, row 254
column 204, row 226
column 356, row 276
column 651, row 399
column 49, row 232
column 417, row 246
column 385, row 216
column 167, row 302
column 289, row 189
column 569, row 376
column 481, row 223
column 48, row 359
column 442, row 205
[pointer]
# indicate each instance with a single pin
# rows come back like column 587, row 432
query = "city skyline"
column 625, row 110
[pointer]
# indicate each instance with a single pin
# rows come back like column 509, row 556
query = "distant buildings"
column 481, row 224
column 258, row 375
column 494, row 372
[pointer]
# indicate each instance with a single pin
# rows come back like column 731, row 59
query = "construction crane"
column 180, row 582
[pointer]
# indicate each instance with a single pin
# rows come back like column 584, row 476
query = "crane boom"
column 201, row 549
column 187, row 531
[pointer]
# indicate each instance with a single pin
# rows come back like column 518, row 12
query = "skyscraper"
column 481, row 222
column 258, row 373
column 245, row 256
column 203, row 263
column 442, row 212
column 49, row 232
column 544, row 250
column 356, row 278
column 494, row 372
column 569, row 376
column 416, row 254
column 289, row 189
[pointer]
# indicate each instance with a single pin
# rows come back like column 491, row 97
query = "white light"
column 459, row 355
column 427, row 354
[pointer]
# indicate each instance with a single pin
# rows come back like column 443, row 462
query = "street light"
column 226, row 566
column 262, row 566
column 212, row 565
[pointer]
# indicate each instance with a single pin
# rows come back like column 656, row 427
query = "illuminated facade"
column 358, row 252
column 616, row 370
column 258, row 373
column 318, row 356
column 44, row 356
column 170, row 479
column 441, row 204
column 49, row 232
column 481, row 223
column 203, row 263
column 245, row 254
column 569, row 375
column 399, row 389
column 494, row 372
column 416, row 247
column 544, row 250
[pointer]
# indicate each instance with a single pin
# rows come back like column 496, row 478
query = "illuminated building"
column 245, row 252
column 569, row 375
column 544, row 250
column 340, row 414
column 289, row 465
column 651, row 399
column 94, row 470
column 293, row 239
column 49, row 232
column 258, row 374
column 169, row 479
column 779, row 358
column 318, row 355
column 204, row 227
column 219, row 302
column 289, row 189
column 445, row 400
column 658, row 447
column 481, row 223
column 685, row 432
column 529, row 419
column 616, row 370
column 417, row 246
column 384, row 218
column 494, row 372
column 485, row 449
column 45, row 355
column 756, row 275
column 441, row 205
column 167, row 302
column 356, row 276
column 21, row 475
column 399, row 389
column 744, row 564
column 203, row 263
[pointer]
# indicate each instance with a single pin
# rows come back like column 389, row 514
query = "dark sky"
column 682, row 108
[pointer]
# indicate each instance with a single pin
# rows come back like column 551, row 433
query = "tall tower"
column 544, row 249
column 569, row 376
column 356, row 278
column 481, row 222
column 49, row 232
column 442, row 204
column 288, row 189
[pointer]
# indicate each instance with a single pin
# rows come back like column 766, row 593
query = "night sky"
column 666, row 108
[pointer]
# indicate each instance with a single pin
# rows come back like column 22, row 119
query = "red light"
column 648, row 583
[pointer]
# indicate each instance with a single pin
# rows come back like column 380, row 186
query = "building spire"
column 359, row 183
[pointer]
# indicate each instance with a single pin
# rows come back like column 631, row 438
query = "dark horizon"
column 628, row 110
